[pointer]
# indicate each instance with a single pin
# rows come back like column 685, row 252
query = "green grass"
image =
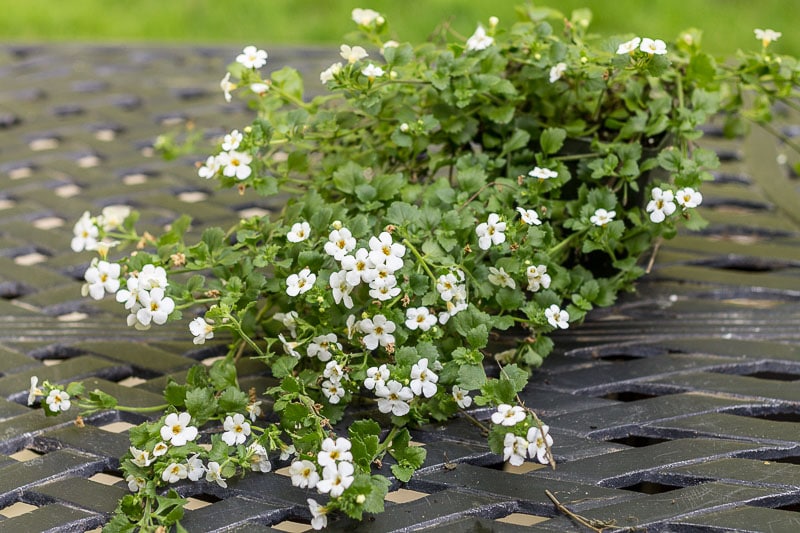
column 727, row 24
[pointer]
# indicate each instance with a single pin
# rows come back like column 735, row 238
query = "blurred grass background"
column 726, row 24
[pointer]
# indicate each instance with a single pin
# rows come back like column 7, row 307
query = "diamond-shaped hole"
column 628, row 396
column 650, row 487
column 638, row 441
column 17, row 509
column 292, row 526
column 774, row 376
column 522, row 519
column 198, row 501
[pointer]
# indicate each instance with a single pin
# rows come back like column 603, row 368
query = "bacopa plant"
column 439, row 197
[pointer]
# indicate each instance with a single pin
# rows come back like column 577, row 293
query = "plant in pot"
column 438, row 198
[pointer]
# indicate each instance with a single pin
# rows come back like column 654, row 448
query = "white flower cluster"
column 453, row 290
column 646, row 45
column 393, row 396
column 252, row 58
column 336, row 462
column 86, row 232
column 332, row 385
column 516, row 449
column 145, row 298
column 230, row 162
column 663, row 201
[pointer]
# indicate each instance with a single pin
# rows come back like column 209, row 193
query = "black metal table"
column 675, row 410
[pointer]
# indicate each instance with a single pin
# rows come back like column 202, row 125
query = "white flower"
column 651, row 46
column 259, row 88
column 304, row 474
column 135, row 483
column 540, row 441
column 214, row 474
column 232, row 140
column 341, row 288
column 34, row 390
column 289, row 321
column 160, row 449
column 202, row 330
column 319, row 518
column 602, row 217
column 58, row 400
column 378, row 331
column 447, row 285
column 113, row 216
column 300, row 231
column 254, row 410
column 85, row 233
column 455, row 305
column 499, row 277
column 767, row 36
column 300, row 282
column 153, row 277
column 176, row 429
column 334, row 451
column 101, row 278
column 359, row 267
column 479, row 40
column 352, row 54
column 542, row 173
column 194, row 468
column 235, row 164
column 557, row 317
column 290, row 347
column 372, row 71
column 340, row 243
column 383, row 289
column 155, row 307
column 330, row 73
column 365, row 17
column 629, row 47
column 227, row 86
column 321, row 345
column 385, row 252
column 236, row 429
column 688, row 198
column 423, row 380
column 376, row 376
column 140, row 458
column 529, row 216
column 508, row 415
column 210, row 168
column 336, row 478
column 251, row 57
column 259, row 460
column 514, row 449
column 389, row 44
column 287, row 452
column 491, row 232
column 537, row 277
column 419, row 318
column 661, row 206
column 174, row 473
column 393, row 398
column 332, row 390
column 462, row 397
column 557, row 71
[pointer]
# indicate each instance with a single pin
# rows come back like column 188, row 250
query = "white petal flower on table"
column 214, row 474
column 557, row 71
column 491, row 232
column 140, row 458
column 340, row 243
column 557, row 317
column 319, row 518
column 393, row 398
column 378, row 331
column 376, row 376
column 537, row 277
column 227, row 86
column 155, row 307
column 383, row 251
column 333, row 451
column 85, row 233
column 332, row 390
column 252, row 57
column 688, row 198
column 321, row 345
column 508, row 415
column 601, row 217
column 301, row 282
column 236, row 429
column 330, row 73
column 359, row 267
column 304, row 474
column 341, row 288
column 372, row 71
column 352, row 53
column 541, row 173
column 194, row 468
column 423, row 380
column 300, row 231
column 101, row 278
column 653, row 46
column 176, row 429
column 235, row 164
column 628, row 47
column 202, row 330
column 514, row 449
column 153, row 277
column 767, row 36
column 232, row 140
column 174, row 473
column 501, row 278
column 33, row 391
column 210, row 169
column 365, row 17
column 479, row 40
column 259, row 460
column 419, row 318
column 336, row 478
column 540, row 442
column 661, row 205
column 529, row 216
column 462, row 397
column 58, row 400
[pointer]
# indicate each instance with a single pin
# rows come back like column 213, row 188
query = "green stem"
column 574, row 157
column 563, row 244
column 419, row 258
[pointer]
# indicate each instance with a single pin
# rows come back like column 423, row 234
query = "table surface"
column 675, row 410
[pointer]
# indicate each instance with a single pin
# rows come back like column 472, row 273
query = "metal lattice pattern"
column 675, row 410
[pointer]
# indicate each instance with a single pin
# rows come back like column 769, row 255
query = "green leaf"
column 289, row 81
column 519, row 139
column 233, row 400
column 471, row 377
column 552, row 139
column 102, row 399
column 201, row 404
column 223, row 374
column 283, row 366
column 517, row 376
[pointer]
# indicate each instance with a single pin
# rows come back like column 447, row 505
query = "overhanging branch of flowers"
column 443, row 197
